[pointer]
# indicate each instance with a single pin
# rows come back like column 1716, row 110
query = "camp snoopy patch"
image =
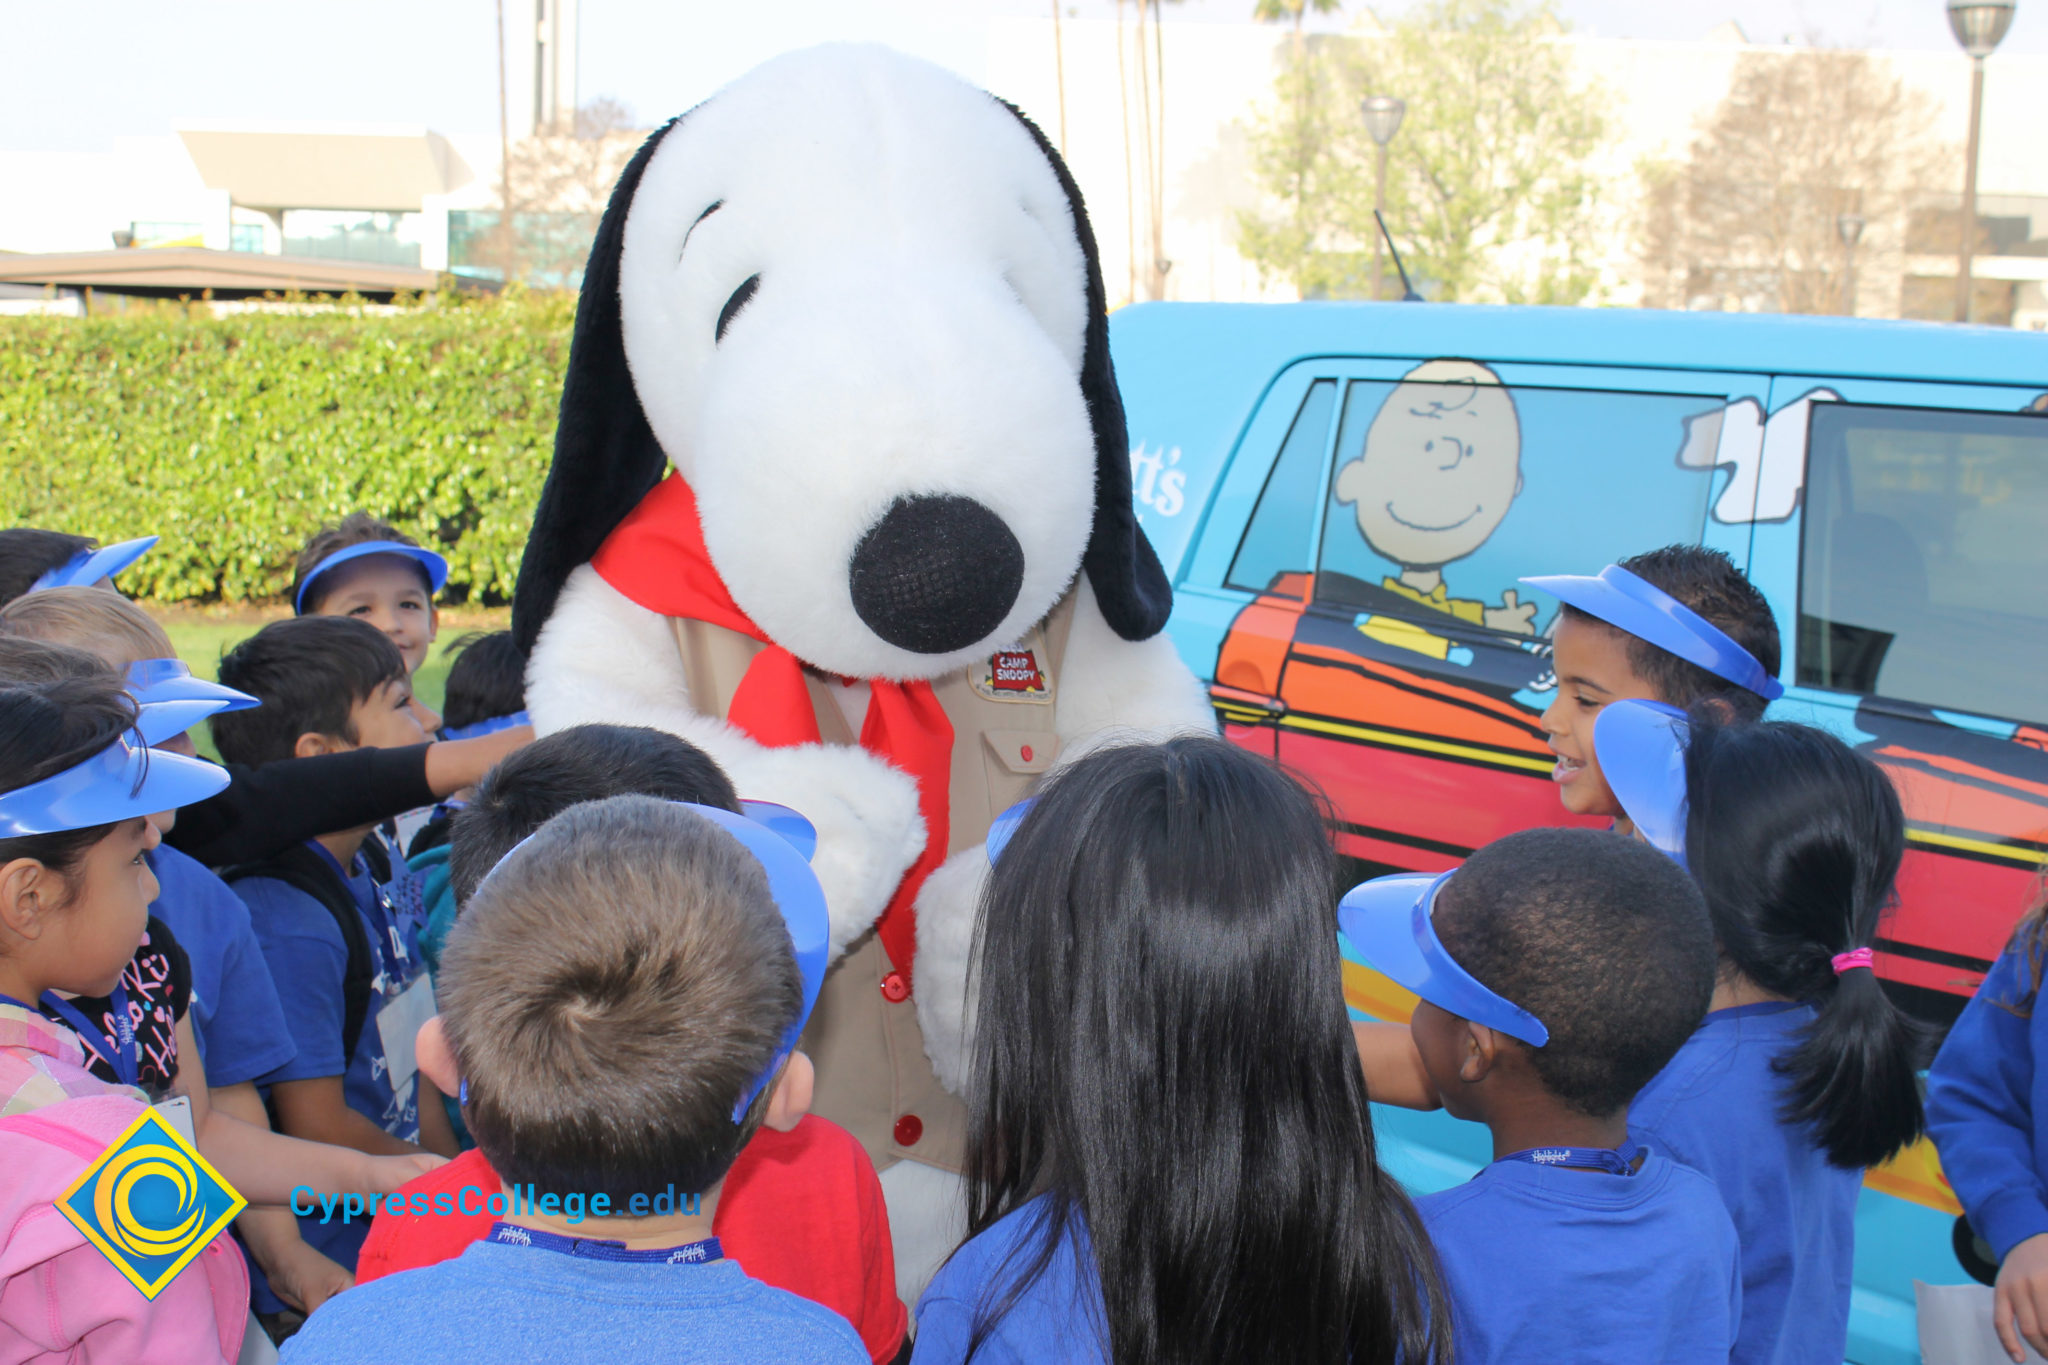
column 1014, row 675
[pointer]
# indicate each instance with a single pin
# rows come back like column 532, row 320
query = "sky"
column 79, row 75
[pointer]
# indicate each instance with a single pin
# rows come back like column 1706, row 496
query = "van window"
column 1924, row 562
column 1448, row 487
column 1277, row 539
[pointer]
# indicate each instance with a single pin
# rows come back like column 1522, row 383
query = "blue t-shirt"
column 1059, row 1319
column 1987, row 1106
column 507, row 1305
column 1715, row 1107
column 235, row 1014
column 308, row 958
column 1548, row 1264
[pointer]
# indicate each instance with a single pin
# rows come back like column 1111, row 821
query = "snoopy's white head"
column 860, row 311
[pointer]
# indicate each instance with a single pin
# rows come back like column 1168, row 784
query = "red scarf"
column 656, row 558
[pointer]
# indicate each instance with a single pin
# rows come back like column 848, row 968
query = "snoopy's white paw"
column 869, row 828
column 946, row 907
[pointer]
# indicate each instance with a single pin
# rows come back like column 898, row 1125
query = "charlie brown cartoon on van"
column 1442, row 463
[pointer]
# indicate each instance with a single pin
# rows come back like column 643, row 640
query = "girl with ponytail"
column 1803, row 1072
column 1987, row 1110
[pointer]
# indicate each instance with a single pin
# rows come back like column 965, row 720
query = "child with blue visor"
column 1803, row 1072
column 1680, row 625
column 369, row 569
column 1558, row 970
column 32, row 560
column 612, row 1075
column 78, row 786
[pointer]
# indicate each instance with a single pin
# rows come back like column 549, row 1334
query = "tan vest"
column 874, row 1078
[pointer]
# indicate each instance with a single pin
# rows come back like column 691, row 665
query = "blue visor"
column 1003, row 827
column 123, row 780
column 1628, row 603
column 1388, row 922
column 156, row 680
column 796, row 830
column 162, row 720
column 436, row 567
column 486, row 727
column 88, row 567
column 802, row 903
column 1641, row 748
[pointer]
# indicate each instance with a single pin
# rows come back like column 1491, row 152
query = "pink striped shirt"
column 42, row 1062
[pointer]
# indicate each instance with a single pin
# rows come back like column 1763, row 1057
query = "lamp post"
column 1383, row 115
column 1979, row 25
column 1849, row 226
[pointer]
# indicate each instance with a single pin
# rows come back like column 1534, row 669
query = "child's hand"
column 2022, row 1297
column 303, row 1278
column 384, row 1174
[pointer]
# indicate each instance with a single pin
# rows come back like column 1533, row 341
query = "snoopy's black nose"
column 936, row 573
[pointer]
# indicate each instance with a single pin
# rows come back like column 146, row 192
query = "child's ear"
column 313, row 744
column 433, row 620
column 791, row 1098
column 436, row 1059
column 1719, row 709
column 26, row 887
column 1482, row 1051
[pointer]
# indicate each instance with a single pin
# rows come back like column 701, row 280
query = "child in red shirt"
column 800, row 1210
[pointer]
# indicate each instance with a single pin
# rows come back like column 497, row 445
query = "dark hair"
column 309, row 673
column 487, row 679
column 26, row 660
column 356, row 528
column 1796, row 839
column 1162, row 1053
column 533, row 785
column 27, row 553
column 47, row 727
column 1598, row 935
column 610, row 994
column 1708, row 582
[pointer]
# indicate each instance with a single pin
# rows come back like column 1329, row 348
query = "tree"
column 1748, row 220
column 555, row 187
column 1273, row 11
column 1145, row 160
column 1490, row 190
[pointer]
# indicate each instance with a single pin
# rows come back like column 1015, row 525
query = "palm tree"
column 1273, row 11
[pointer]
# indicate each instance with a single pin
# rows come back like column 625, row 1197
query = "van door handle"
column 1243, row 699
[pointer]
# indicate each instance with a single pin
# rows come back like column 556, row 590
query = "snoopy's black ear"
column 606, row 457
column 1130, row 587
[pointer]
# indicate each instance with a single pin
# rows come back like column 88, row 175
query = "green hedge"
column 234, row 438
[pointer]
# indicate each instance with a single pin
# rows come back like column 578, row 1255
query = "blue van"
column 1346, row 496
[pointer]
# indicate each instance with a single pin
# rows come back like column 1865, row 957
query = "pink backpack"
column 60, row 1298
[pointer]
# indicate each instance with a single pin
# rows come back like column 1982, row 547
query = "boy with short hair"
column 1559, row 970
column 632, row 1057
column 371, row 570
column 802, row 1208
column 1680, row 625
column 353, row 989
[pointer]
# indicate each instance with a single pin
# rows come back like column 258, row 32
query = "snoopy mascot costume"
column 841, row 494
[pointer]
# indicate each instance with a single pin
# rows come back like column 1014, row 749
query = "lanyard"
column 594, row 1249
column 392, row 955
column 119, row 1052
column 1613, row 1160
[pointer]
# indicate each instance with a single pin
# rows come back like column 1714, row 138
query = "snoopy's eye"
column 734, row 304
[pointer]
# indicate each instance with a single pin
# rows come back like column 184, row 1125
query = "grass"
column 203, row 634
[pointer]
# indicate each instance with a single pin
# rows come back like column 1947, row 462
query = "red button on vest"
column 1025, row 753
column 896, row 990
column 909, row 1129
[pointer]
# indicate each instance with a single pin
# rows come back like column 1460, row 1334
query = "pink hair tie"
column 1851, row 960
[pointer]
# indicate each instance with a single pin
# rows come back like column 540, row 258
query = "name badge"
column 398, row 1028
column 177, row 1112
